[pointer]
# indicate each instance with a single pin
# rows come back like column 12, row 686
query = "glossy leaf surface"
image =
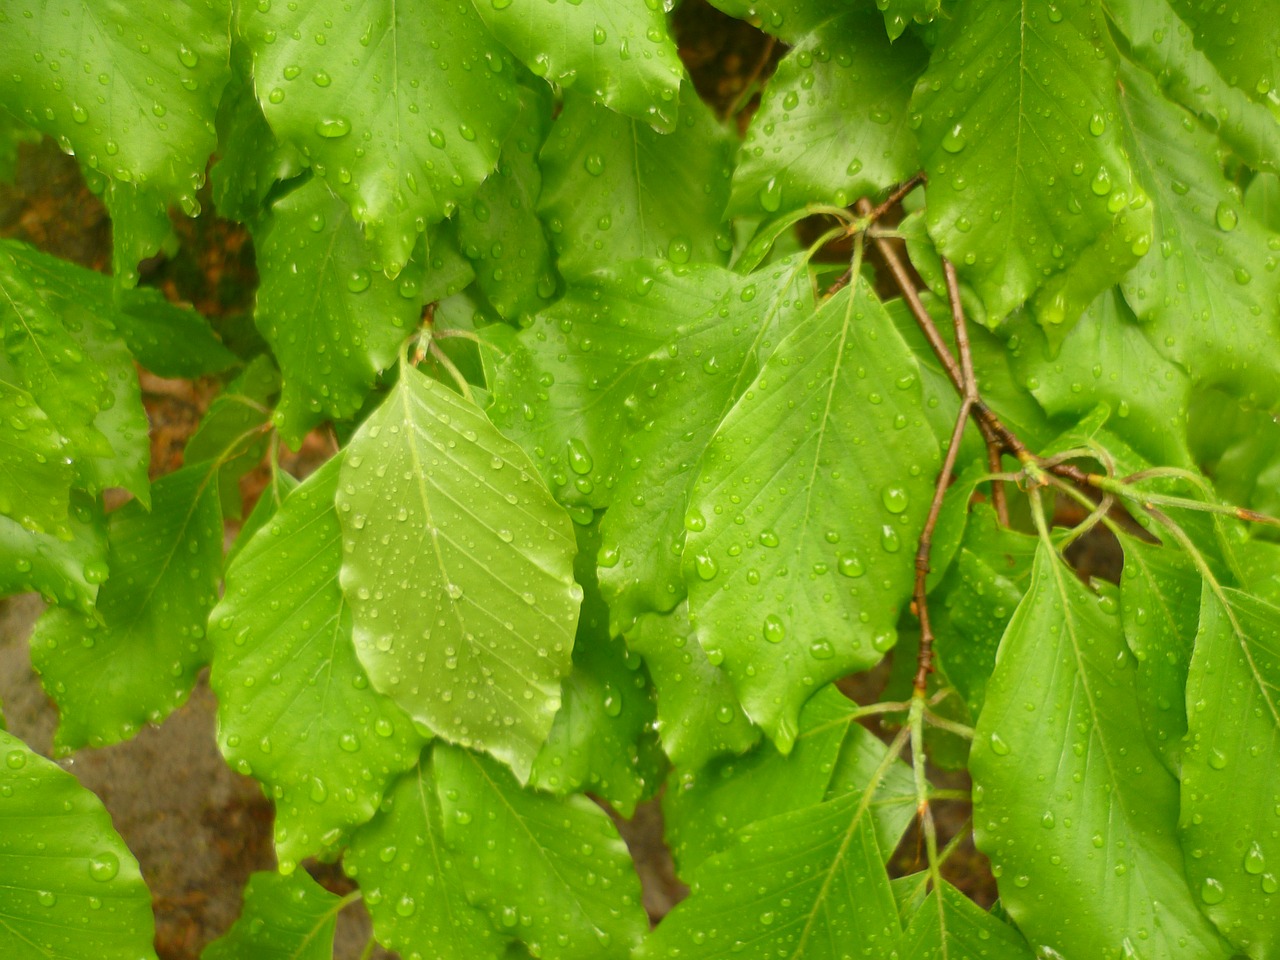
column 450, row 540
column 949, row 925
column 284, row 918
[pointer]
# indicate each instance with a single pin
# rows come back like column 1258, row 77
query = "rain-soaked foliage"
column 650, row 434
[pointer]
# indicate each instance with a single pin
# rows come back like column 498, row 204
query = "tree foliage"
column 655, row 428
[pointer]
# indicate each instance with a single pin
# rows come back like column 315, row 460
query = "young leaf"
column 332, row 317
column 551, row 871
column 324, row 744
column 141, row 107
column 819, row 474
column 412, row 882
column 618, row 52
column 139, row 663
column 1074, row 809
column 614, row 188
column 459, row 570
column 832, row 124
column 1020, row 139
column 698, row 713
column 65, row 572
column 284, row 918
column 400, row 125
column 1228, row 767
column 809, row 885
column 1208, row 287
column 71, row 886
column 950, row 926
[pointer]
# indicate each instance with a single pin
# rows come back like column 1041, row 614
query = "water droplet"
column 679, row 250
column 954, row 140
column 405, row 906
column 768, row 538
column 333, row 127
column 1211, row 891
column 1217, row 759
column 104, row 866
column 580, row 461
column 771, row 195
column 895, row 499
column 1048, row 820
column 1097, row 125
column 705, row 566
column 612, row 701
column 1254, row 860
column 998, row 746
column 359, row 281
column 1226, row 217
column 774, row 631
column 889, row 541
column 724, row 715
column 694, row 521
column 1101, row 183
column 46, row 898
column 594, row 164
column 821, row 650
column 322, row 79
column 16, row 760
column 188, row 57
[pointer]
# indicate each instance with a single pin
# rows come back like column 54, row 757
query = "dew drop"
column 1226, row 217
column 954, row 140
column 1211, row 891
column 332, row 128
column 895, row 499
column 774, row 631
column 104, row 867
column 998, row 746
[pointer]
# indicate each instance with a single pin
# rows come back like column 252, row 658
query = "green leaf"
column 1208, row 288
column 698, row 714
column 279, row 485
column 808, row 885
column 614, row 189
column 140, row 224
column 284, row 918
column 551, row 871
column 714, row 329
column 899, row 13
column 950, row 925
column 893, row 806
column 401, row 125
column 65, row 572
column 833, row 121
column 1241, row 42
column 458, row 568
column 1019, row 183
column 332, row 317
column 131, row 91
column 1228, row 767
column 35, row 471
column 61, row 864
column 499, row 229
column 1076, row 812
column 777, row 556
column 619, row 53
column 606, row 705
column 139, row 663
column 412, row 883
column 168, row 340
column 789, row 20
column 316, row 736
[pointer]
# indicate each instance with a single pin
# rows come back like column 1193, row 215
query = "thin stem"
column 942, row 723
column 369, row 947
column 442, row 358
column 895, row 195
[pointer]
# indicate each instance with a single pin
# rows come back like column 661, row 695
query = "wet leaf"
column 283, row 918
column 950, row 925
column 295, row 709
column 789, row 20
column 819, row 475
column 458, row 568
column 1075, row 810
column 65, row 572
column 35, row 469
column 619, row 53
column 72, row 888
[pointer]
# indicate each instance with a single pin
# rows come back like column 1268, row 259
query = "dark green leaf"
column 324, row 744
column 1020, row 184
column 284, row 918
column 1228, row 768
column 168, row 340
column 1241, row 41
column 412, row 883
column 232, row 433
column 458, row 568
column 790, row 20
column 899, row 13
column 65, row 572
column 400, row 109
column 35, row 469
column 1076, row 812
column 833, row 121
column 551, row 871
column 71, row 887
column 139, row 663
column 332, row 317
column 820, row 474
column 615, row 188
column 808, row 885
column 618, row 53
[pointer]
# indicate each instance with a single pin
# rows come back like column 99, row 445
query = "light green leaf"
column 616, row 51
column 1208, row 288
column 139, row 663
column 65, row 572
column 789, row 20
column 499, row 229
column 614, row 189
column 820, row 474
column 551, row 871
column 458, row 568
column 319, row 739
column 950, row 926
column 1107, row 358
column 698, row 713
column 1076, row 812
column 1241, row 41
column 332, row 317
column 606, row 705
column 412, row 883
column 714, row 329
column 132, row 91
column 833, row 121
column 35, row 470
column 1262, row 200
column 401, row 109
column 279, row 485
column 1228, row 768
column 1020, row 185
column 284, row 918
column 71, row 887
column 893, row 807
column 808, row 885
